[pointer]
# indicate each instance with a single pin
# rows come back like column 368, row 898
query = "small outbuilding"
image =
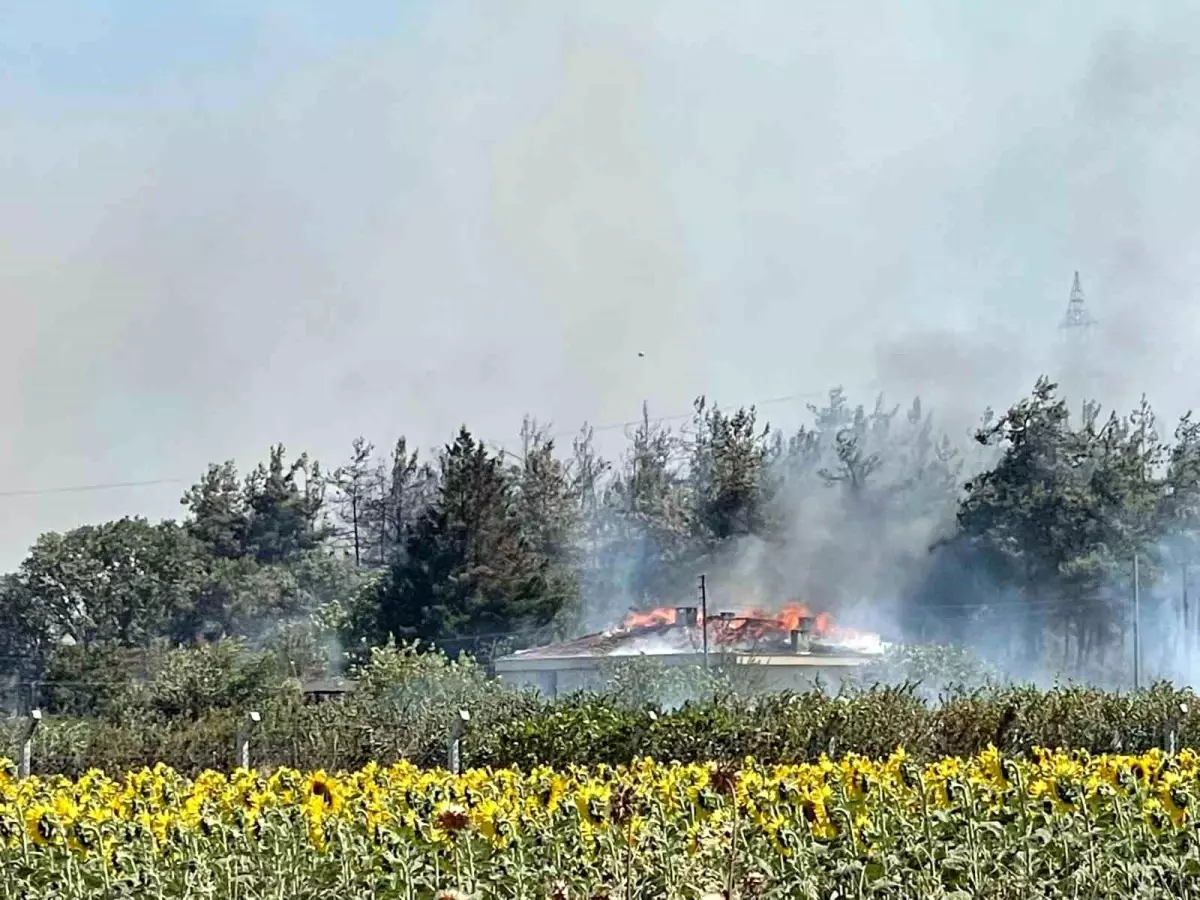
column 326, row 689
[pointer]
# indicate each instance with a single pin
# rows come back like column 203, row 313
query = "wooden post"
column 1173, row 734
column 454, row 750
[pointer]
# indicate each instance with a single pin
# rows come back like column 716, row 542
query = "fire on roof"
column 680, row 630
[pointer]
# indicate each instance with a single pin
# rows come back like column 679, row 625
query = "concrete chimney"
column 687, row 616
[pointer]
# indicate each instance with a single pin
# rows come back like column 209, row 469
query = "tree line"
column 864, row 507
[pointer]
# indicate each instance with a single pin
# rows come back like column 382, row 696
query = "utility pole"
column 704, row 618
column 1137, row 627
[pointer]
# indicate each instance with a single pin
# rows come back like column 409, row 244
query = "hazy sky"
column 227, row 224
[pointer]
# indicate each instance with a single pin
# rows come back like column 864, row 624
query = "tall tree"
column 647, row 548
column 468, row 569
column 730, row 473
column 26, row 638
column 1017, row 514
column 1179, row 526
column 551, row 501
column 121, row 581
column 219, row 518
column 285, row 503
column 1062, row 514
column 404, row 487
column 352, row 484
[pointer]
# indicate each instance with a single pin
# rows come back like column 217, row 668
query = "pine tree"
column 220, row 518
column 468, row 569
column 550, row 507
column 352, row 483
column 403, row 487
column 730, row 474
column 285, row 503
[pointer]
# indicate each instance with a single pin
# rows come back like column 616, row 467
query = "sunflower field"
column 1053, row 824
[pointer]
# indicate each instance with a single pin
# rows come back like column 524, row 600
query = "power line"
column 678, row 417
column 611, row 426
column 85, row 488
column 675, row 417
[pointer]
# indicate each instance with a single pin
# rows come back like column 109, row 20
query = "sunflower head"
column 452, row 818
column 42, row 825
column 724, row 779
column 323, row 788
column 622, row 805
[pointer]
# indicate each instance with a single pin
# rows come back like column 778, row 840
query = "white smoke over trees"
column 331, row 222
column 868, row 512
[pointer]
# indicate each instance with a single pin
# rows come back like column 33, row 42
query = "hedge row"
column 510, row 728
column 794, row 727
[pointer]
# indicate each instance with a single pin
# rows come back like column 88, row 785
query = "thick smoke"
column 308, row 226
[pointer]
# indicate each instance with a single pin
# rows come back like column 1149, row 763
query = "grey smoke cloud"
column 306, row 224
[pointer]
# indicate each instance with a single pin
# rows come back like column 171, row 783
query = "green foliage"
column 219, row 518
column 188, row 711
column 731, row 474
column 1060, row 517
column 190, row 682
column 273, row 515
column 109, row 680
column 935, row 668
column 121, row 581
column 244, row 597
column 792, row 727
column 485, row 549
column 468, row 567
column 284, row 504
column 90, row 679
column 394, row 671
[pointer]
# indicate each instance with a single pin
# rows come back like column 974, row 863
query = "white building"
column 793, row 661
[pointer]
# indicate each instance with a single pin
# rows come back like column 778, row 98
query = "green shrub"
column 191, row 682
column 189, row 713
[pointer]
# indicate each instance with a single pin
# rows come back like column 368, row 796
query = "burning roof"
column 680, row 630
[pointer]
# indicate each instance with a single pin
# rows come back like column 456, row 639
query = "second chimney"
column 686, row 616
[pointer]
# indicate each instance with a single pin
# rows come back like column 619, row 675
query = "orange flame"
column 662, row 616
column 757, row 622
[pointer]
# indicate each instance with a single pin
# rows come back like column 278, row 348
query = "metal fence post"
column 1173, row 732
column 243, row 740
column 454, row 747
column 25, row 763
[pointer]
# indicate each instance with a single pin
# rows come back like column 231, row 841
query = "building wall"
column 553, row 683
column 801, row 678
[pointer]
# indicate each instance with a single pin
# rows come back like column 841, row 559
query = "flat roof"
column 679, row 645
column 327, row 686
column 544, row 663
